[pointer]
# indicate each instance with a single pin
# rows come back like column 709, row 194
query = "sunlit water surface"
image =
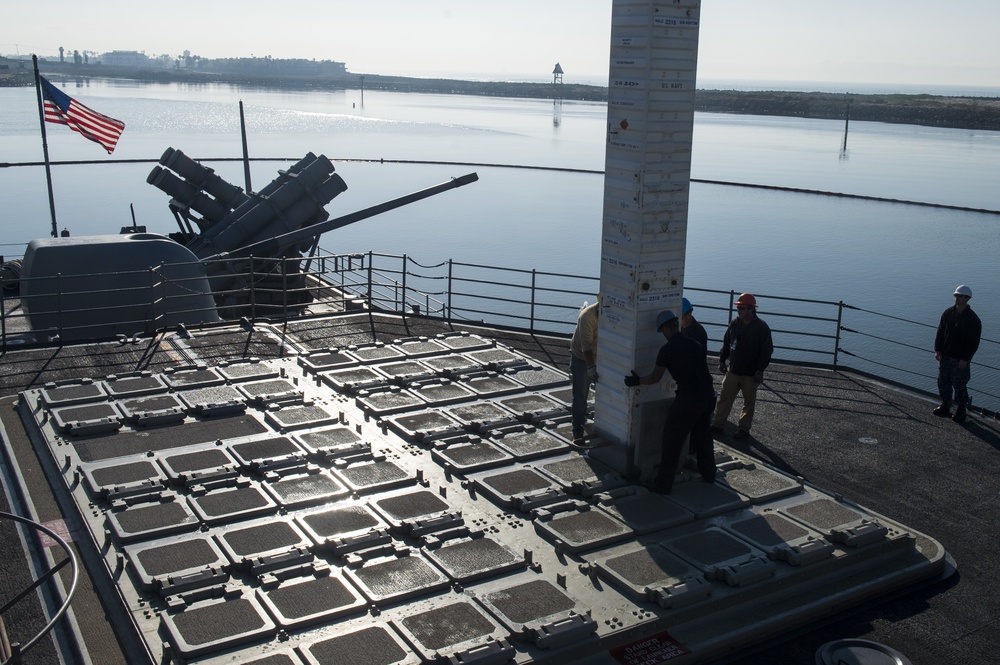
column 901, row 259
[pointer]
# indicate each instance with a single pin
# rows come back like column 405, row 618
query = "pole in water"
column 847, row 120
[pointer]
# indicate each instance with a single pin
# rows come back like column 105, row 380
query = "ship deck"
column 835, row 435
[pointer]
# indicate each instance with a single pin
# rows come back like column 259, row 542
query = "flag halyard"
column 61, row 109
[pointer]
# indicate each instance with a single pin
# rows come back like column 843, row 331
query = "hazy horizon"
column 703, row 83
column 896, row 42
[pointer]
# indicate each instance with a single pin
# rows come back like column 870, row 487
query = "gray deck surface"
column 872, row 443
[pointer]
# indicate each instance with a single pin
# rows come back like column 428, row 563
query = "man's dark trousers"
column 688, row 414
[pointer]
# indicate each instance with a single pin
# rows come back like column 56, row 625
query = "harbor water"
column 889, row 257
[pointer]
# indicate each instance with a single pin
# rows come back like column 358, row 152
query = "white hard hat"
column 963, row 290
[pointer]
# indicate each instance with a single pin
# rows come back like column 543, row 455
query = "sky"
column 863, row 41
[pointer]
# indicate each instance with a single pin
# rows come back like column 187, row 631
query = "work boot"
column 943, row 411
column 959, row 416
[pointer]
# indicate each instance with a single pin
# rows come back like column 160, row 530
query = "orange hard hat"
column 747, row 299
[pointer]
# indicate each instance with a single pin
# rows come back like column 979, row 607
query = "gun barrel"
column 274, row 246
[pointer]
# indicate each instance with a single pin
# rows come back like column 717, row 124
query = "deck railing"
column 12, row 653
column 815, row 332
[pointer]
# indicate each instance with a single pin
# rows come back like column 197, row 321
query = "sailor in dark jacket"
column 690, row 412
column 954, row 345
column 747, row 346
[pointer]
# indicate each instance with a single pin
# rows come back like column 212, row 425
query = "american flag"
column 62, row 109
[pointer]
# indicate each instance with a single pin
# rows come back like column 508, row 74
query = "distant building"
column 125, row 59
column 15, row 72
column 268, row 66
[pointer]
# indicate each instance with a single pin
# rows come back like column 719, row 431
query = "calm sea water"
column 890, row 257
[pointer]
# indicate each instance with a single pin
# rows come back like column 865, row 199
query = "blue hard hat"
column 665, row 316
column 685, row 306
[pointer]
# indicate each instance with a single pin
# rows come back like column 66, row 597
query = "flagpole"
column 45, row 146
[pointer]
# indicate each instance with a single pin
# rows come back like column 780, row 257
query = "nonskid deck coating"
column 878, row 554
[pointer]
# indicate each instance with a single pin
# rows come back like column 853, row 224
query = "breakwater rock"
column 931, row 110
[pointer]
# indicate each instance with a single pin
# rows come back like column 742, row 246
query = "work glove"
column 758, row 377
column 722, row 367
column 592, row 373
column 632, row 380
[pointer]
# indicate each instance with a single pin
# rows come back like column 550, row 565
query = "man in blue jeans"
column 583, row 364
column 956, row 342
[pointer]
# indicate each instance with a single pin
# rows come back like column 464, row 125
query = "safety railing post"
column 253, row 292
column 3, row 311
column 836, row 339
column 534, row 276
column 342, row 272
column 161, row 286
column 59, row 311
column 370, row 303
column 451, row 267
column 402, row 302
column 284, row 286
column 152, row 298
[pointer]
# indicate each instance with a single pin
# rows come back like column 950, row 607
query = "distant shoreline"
column 976, row 113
